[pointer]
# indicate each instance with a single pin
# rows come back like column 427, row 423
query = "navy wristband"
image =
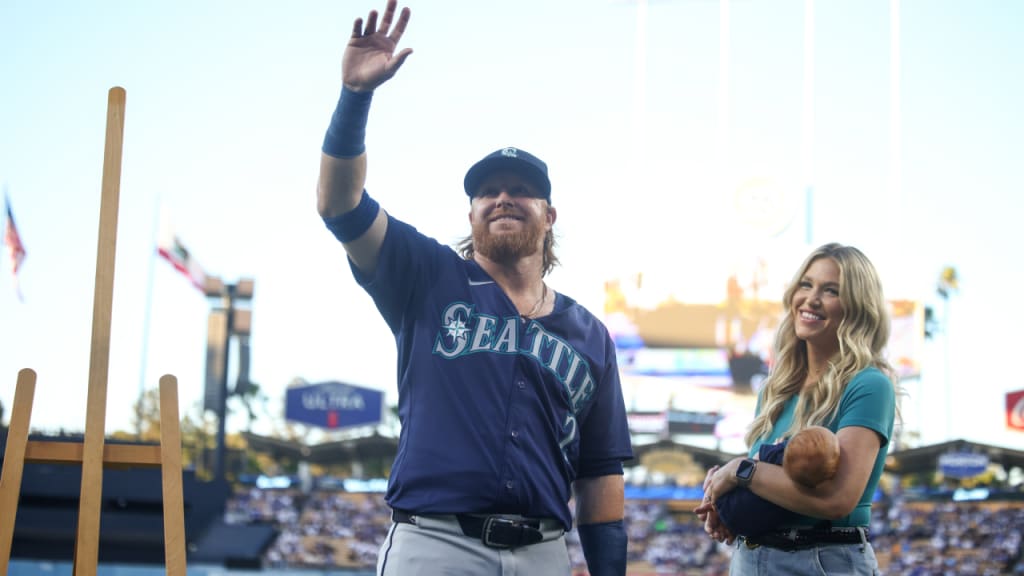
column 346, row 135
column 604, row 547
column 354, row 223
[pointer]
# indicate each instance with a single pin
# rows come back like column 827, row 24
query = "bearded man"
column 508, row 391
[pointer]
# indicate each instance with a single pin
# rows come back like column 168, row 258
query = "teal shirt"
column 868, row 401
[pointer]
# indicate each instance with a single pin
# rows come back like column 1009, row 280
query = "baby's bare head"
column 812, row 455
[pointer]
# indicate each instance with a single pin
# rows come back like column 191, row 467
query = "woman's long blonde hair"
column 863, row 334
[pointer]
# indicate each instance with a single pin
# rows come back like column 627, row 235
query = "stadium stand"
column 332, row 530
column 131, row 517
column 320, row 527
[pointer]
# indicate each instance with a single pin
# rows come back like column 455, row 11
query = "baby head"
column 812, row 455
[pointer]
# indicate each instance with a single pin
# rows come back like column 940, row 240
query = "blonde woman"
column 830, row 371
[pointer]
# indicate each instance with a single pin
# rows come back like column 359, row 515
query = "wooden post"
column 170, row 469
column 90, row 500
column 14, row 458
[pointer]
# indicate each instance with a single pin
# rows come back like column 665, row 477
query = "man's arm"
column 600, row 507
column 368, row 62
column 339, row 192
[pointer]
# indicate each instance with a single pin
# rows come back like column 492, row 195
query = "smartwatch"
column 745, row 471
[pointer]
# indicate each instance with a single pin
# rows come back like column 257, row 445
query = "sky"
column 682, row 138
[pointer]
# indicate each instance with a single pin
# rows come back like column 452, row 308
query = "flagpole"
column 808, row 122
column 146, row 316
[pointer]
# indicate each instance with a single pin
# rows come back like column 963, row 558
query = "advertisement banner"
column 962, row 464
column 688, row 422
column 334, row 405
column 1015, row 410
column 647, row 422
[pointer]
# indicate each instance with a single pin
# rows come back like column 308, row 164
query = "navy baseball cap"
column 521, row 162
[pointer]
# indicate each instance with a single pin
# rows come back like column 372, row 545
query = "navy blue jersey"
column 499, row 413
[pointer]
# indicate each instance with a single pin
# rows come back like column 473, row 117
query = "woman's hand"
column 713, row 524
column 702, row 510
column 706, row 511
column 721, row 479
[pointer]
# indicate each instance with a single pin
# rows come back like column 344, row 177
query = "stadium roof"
column 926, row 458
column 374, row 447
column 362, row 449
column 910, row 461
column 704, row 457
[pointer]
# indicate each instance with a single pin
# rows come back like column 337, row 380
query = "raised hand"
column 370, row 58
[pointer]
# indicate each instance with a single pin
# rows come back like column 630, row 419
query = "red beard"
column 508, row 247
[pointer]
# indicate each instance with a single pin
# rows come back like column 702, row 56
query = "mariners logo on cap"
column 514, row 160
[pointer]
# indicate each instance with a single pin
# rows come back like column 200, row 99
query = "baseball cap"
column 521, row 162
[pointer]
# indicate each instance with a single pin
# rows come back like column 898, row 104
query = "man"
column 509, row 394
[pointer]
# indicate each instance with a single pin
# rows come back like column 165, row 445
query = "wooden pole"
column 170, row 468
column 91, row 495
column 14, row 461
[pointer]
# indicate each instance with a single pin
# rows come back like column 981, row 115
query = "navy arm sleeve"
column 604, row 547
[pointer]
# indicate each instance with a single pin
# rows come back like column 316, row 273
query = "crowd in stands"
column 316, row 530
column 332, row 529
column 928, row 538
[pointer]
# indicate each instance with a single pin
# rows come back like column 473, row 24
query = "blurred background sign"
column 1015, row 410
column 334, row 405
column 962, row 464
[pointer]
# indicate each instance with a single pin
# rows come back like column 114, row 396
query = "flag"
column 170, row 247
column 12, row 242
column 1015, row 410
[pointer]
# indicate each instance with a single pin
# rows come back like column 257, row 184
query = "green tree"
column 250, row 395
column 198, row 430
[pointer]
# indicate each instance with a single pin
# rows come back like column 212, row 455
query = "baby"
column 810, row 457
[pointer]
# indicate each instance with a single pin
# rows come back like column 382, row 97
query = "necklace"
column 536, row 307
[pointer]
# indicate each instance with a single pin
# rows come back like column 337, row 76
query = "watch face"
column 745, row 470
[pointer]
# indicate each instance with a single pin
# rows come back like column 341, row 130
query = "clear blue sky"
column 227, row 102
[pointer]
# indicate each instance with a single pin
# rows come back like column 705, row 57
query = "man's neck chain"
column 537, row 307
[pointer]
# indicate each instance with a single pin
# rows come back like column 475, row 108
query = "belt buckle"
column 489, row 524
column 750, row 545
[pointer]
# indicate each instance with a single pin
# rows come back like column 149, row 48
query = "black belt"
column 493, row 531
column 803, row 538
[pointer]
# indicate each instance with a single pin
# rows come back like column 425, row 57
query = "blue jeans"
column 824, row 560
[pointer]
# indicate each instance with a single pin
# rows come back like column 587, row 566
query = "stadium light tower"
column 229, row 316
